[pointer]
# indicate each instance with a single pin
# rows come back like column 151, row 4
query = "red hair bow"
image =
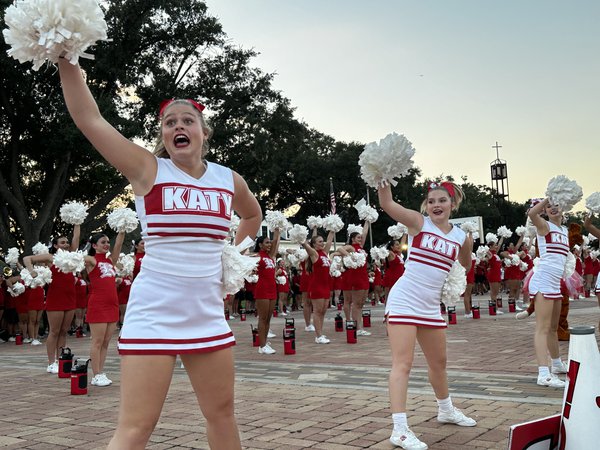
column 165, row 103
column 444, row 184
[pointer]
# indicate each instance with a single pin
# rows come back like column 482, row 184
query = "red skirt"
column 35, row 300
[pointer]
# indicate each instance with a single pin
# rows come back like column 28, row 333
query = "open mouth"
column 181, row 140
column 437, row 212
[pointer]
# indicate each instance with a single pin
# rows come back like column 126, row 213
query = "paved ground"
column 324, row 397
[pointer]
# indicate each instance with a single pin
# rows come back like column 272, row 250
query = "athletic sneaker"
column 457, row 417
column 100, row 380
column 469, row 316
column 406, row 439
column 310, row 327
column 283, row 314
column 562, row 368
column 522, row 315
column 499, row 312
column 36, row 342
column 322, row 339
column 551, row 380
column 27, row 341
column 270, row 334
column 12, row 339
column 363, row 333
column 53, row 368
column 266, row 350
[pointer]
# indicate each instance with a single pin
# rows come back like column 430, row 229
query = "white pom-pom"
column 520, row 231
column 43, row 30
column 594, row 254
column 69, row 262
column 352, row 228
column 475, row 235
column 253, row 278
column 73, row 213
column 302, row 255
column 39, row 249
column 591, row 238
column 563, row 192
column 44, row 276
column 280, row 280
column 12, row 256
column 379, row 253
column 17, row 289
column 483, row 252
column 336, row 267
column 293, row 260
column 355, row 260
column 491, row 238
column 455, row 284
column 125, row 265
column 123, row 219
column 234, row 225
column 333, row 222
column 504, row 232
column 593, row 203
column 569, row 266
column 397, row 231
column 469, row 227
column 314, row 222
column 523, row 266
column 526, row 240
column 367, row 213
column 276, row 221
column 298, row 234
column 237, row 267
column 512, row 260
column 382, row 163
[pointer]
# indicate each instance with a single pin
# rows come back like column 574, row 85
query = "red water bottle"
column 79, row 332
column 18, row 339
column 476, row 312
column 339, row 323
column 289, row 341
column 340, row 305
column 512, row 306
column 274, row 312
column 492, row 307
column 289, row 324
column 65, row 362
column 366, row 318
column 255, row 342
column 79, row 375
column 442, row 308
column 499, row 302
column 373, row 301
column 351, row 331
column 452, row 315
column 243, row 315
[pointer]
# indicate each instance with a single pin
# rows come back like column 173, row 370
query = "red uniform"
column 471, row 272
column 495, row 269
column 588, row 268
column 578, row 265
column 394, row 269
column 35, row 299
column 266, row 286
column 81, row 293
column 320, row 286
column 61, row 292
column 123, row 291
column 137, row 265
column 356, row 279
column 103, row 304
column 378, row 279
column 512, row 272
column 304, row 278
column 596, row 267
column 336, row 283
column 21, row 302
column 285, row 288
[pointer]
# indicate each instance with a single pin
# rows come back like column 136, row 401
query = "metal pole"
column 370, row 225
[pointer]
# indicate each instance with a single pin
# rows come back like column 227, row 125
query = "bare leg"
column 264, row 307
column 402, row 343
column 320, row 309
column 433, row 344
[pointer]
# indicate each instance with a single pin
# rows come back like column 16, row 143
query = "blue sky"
column 454, row 76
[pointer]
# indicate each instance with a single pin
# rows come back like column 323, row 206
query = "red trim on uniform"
column 423, row 319
column 429, row 263
column 415, row 324
column 155, row 351
column 175, row 341
column 187, row 225
column 554, row 296
column 208, row 235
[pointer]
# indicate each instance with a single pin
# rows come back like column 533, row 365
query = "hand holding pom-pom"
column 12, row 256
column 504, row 232
column 280, row 280
column 123, row 220
column 252, row 279
column 73, row 213
column 563, row 192
column 298, row 234
column 593, row 203
column 483, row 252
column 125, row 265
column 17, row 289
column 352, row 228
column 455, row 284
column 379, row 253
column 397, row 231
column 237, row 267
column 382, row 163
column 69, row 262
column 43, row 277
column 336, row 268
column 469, row 227
column 314, row 222
column 276, row 221
column 333, row 222
column 367, row 213
column 520, row 231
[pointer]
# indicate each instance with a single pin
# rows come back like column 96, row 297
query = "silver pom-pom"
column 352, row 228
column 367, row 213
column 593, row 203
column 276, row 221
column 469, row 227
column 333, row 222
column 455, row 284
column 43, row 30
column 39, row 249
column 314, row 222
column 44, row 276
column 69, row 262
column 483, row 252
column 123, row 220
column 336, row 267
column 397, row 231
column 12, row 256
column 491, row 238
column 382, row 162
column 563, row 192
column 73, row 213
column 17, row 289
column 520, row 230
column 298, row 234
column 237, row 267
column 125, row 265
column 504, row 232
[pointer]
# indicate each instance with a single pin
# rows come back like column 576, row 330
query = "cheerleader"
column 123, row 289
column 412, row 308
column 545, row 289
column 318, row 264
column 140, row 251
column 494, row 274
column 60, row 297
column 468, row 294
column 394, row 265
column 305, row 281
column 35, row 306
column 355, row 282
column 265, row 293
column 594, row 231
column 512, row 273
column 377, row 282
column 20, row 302
column 283, row 286
column 175, row 306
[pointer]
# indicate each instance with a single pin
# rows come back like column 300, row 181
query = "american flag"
column 332, row 196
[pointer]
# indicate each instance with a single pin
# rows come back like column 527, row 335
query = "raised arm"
column 312, row 253
column 136, row 163
column 116, row 250
column 75, row 238
column 275, row 243
column 412, row 219
column 30, row 260
column 534, row 214
column 365, row 232
column 329, row 241
column 464, row 255
column 593, row 230
column 246, row 206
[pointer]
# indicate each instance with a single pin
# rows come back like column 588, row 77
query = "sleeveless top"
column 553, row 248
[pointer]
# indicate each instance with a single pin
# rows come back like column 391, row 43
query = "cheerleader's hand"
column 33, row 273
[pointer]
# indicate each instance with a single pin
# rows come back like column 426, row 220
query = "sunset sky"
column 453, row 76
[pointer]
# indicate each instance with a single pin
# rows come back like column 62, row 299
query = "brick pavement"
column 324, row 397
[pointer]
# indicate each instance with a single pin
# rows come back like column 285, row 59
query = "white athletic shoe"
column 559, row 368
column 457, row 417
column 100, row 380
column 406, row 439
column 266, row 350
column 270, row 334
column 27, row 341
column 551, row 380
column 36, row 342
column 522, row 315
column 322, row 339
column 310, row 327
column 53, row 368
column 363, row 333
column 469, row 316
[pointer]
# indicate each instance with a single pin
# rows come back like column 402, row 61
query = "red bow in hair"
column 165, row 103
column 445, row 184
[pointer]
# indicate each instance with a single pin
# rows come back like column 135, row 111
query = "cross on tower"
column 497, row 147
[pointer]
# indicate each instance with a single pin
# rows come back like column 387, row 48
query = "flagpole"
column 370, row 224
column 332, row 209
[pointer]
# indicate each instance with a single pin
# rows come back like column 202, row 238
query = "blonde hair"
column 456, row 200
column 159, row 149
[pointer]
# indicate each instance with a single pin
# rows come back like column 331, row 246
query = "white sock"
column 557, row 362
column 400, row 421
column 445, row 405
column 543, row 371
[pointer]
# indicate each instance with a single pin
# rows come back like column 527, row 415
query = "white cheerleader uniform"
column 175, row 304
column 553, row 248
column 415, row 297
